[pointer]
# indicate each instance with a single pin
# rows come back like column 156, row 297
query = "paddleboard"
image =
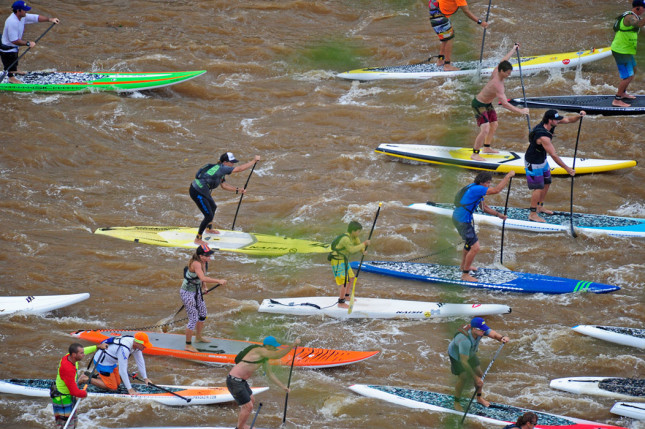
column 222, row 351
column 613, row 387
column 77, row 82
column 489, row 278
column 501, row 162
column 614, row 226
column 633, row 410
column 626, row 336
column 592, row 104
column 225, row 241
column 198, row 395
column 428, row 70
column 374, row 308
column 496, row 414
column 38, row 304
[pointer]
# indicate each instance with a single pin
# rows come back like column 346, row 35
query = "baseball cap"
column 204, row 250
column 552, row 114
column 142, row 338
column 479, row 323
column 635, row 3
column 271, row 341
column 21, row 5
column 228, row 157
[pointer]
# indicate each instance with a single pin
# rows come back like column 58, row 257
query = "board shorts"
column 467, row 233
column 240, row 389
column 195, row 307
column 625, row 63
column 484, row 113
column 112, row 380
column 440, row 23
column 338, row 267
column 7, row 59
column 63, row 406
column 456, row 367
column 537, row 175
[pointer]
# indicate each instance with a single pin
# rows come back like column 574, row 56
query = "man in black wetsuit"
column 538, row 171
column 247, row 361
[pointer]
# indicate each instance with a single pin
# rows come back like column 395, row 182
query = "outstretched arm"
column 470, row 15
column 247, row 165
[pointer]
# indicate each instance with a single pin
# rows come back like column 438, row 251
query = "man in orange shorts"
column 112, row 363
column 440, row 13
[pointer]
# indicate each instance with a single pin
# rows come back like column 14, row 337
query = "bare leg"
column 245, row 412
column 622, row 88
column 459, row 387
column 489, row 138
column 343, row 291
column 479, row 141
column 198, row 332
column 536, row 195
column 189, row 339
column 448, row 54
column 468, row 258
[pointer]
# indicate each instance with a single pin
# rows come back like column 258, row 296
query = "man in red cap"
column 112, row 363
column 14, row 27
column 463, row 356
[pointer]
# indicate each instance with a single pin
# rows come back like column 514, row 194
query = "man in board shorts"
column 623, row 48
column 341, row 248
column 246, row 362
column 482, row 105
column 538, row 171
column 468, row 199
column 440, row 13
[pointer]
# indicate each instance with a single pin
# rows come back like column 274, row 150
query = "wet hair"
column 483, row 177
column 526, row 418
column 73, row 348
column 504, row 66
column 354, row 226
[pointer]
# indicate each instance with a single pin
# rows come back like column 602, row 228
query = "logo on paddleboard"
column 566, row 61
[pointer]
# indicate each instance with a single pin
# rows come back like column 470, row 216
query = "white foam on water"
column 356, row 92
column 49, row 99
column 247, row 124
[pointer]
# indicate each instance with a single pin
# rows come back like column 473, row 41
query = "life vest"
column 240, row 356
column 335, row 254
column 619, row 20
column 105, row 353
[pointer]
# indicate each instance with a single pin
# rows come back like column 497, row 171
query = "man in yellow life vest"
column 341, row 248
column 66, row 390
column 623, row 48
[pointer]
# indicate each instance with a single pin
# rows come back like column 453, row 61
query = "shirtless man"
column 247, row 361
column 482, row 105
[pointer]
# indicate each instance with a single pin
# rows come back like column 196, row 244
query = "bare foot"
column 342, row 305
column 535, row 218
column 489, row 150
column 458, row 406
column 628, row 96
column 14, row 80
column 212, row 231
column 468, row 278
column 545, row 211
column 619, row 103
column 450, row 67
column 476, row 157
column 191, row 348
column 200, row 242
column 201, row 340
column 483, row 402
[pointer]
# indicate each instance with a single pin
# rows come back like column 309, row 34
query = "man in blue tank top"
column 467, row 201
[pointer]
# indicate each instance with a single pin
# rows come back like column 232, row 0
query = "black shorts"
column 466, row 232
column 456, row 367
column 7, row 59
column 239, row 389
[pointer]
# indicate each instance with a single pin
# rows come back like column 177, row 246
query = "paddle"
column 501, row 250
column 575, row 152
column 351, row 299
column 166, row 320
column 242, row 196
column 23, row 54
column 89, row 379
column 286, row 398
column 134, row 376
column 481, row 53
column 483, row 377
column 256, row 416
column 519, row 65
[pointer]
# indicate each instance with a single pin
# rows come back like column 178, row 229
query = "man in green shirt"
column 623, row 48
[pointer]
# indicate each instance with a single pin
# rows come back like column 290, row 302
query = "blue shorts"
column 538, row 175
column 626, row 64
column 467, row 233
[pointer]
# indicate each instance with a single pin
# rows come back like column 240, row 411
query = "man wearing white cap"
column 14, row 27
column 208, row 178
column 463, row 356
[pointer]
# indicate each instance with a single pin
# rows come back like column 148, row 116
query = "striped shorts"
column 63, row 406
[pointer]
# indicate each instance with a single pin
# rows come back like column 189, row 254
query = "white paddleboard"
column 375, row 308
column 626, row 336
column 38, row 304
column 611, row 387
column 634, row 410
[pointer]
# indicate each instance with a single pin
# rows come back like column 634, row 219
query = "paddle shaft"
column 481, row 54
column 483, row 377
column 242, row 196
column 351, row 300
column 501, row 250
column 286, row 398
column 575, row 152
column 519, row 65
column 134, row 376
column 256, row 416
column 22, row 55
